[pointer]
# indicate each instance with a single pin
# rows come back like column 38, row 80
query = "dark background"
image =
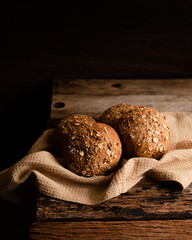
column 43, row 40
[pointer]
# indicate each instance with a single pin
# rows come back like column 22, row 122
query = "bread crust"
column 88, row 148
column 112, row 115
column 144, row 132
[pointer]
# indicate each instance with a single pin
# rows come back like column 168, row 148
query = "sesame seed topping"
column 98, row 134
column 105, row 130
column 100, row 145
column 83, row 172
column 109, row 145
column 161, row 149
column 157, row 132
column 132, row 135
column 118, row 116
column 150, row 148
column 108, row 152
column 82, row 153
column 96, row 148
column 155, row 139
column 100, row 164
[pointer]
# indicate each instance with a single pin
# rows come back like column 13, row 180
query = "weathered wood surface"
column 92, row 97
column 147, row 200
column 95, row 105
column 134, row 230
column 150, row 210
column 122, row 86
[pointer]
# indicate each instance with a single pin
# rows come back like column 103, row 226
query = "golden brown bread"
column 112, row 115
column 87, row 147
column 144, row 132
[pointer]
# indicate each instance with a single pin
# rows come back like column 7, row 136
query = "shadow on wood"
column 16, row 218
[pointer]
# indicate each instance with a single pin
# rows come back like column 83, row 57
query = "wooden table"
column 150, row 210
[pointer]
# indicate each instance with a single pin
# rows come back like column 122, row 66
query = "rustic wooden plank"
column 156, row 229
column 66, row 105
column 93, row 96
column 151, row 210
column 147, row 200
column 122, row 86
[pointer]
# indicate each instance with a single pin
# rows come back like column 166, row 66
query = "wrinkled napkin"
column 52, row 179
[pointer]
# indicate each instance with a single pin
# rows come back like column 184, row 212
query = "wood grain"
column 122, row 86
column 92, row 96
column 149, row 210
column 95, row 105
column 147, row 200
column 154, row 229
column 42, row 40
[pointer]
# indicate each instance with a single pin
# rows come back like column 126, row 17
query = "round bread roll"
column 144, row 132
column 88, row 148
column 112, row 115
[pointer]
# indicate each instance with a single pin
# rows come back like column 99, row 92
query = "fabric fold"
column 52, row 179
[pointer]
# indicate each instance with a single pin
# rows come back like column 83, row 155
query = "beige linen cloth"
column 54, row 180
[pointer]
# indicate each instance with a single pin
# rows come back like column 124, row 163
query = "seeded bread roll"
column 88, row 148
column 112, row 115
column 144, row 132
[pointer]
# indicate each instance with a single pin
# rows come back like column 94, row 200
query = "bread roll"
column 88, row 148
column 144, row 132
column 112, row 115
